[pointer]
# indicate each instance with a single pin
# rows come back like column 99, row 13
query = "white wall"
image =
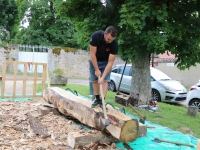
column 38, row 57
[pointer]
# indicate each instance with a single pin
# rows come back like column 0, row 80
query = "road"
column 78, row 81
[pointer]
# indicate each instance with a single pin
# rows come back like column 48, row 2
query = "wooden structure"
column 23, row 78
column 80, row 139
column 193, row 111
column 121, row 127
column 124, row 99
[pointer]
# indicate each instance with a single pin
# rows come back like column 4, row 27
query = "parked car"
column 163, row 87
column 193, row 96
column 196, row 86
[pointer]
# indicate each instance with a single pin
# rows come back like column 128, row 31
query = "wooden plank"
column 142, row 130
column 3, row 78
column 80, row 139
column 21, row 96
column 15, row 76
column 47, row 71
column 35, row 79
column 46, row 110
column 44, row 76
column 24, row 79
column 21, row 79
column 21, row 62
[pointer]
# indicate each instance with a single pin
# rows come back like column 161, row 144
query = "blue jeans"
column 102, row 66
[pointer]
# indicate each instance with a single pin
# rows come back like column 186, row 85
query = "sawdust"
column 16, row 132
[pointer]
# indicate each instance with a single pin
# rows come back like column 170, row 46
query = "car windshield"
column 158, row 75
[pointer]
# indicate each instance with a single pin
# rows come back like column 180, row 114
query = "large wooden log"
column 121, row 127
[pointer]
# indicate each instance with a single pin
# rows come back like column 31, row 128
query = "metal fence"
column 33, row 48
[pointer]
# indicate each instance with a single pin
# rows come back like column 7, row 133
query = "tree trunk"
column 141, row 84
column 121, row 127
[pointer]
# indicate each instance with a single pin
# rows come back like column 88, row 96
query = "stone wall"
column 10, row 54
column 74, row 64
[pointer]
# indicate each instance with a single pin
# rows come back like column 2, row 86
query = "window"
column 115, row 70
column 126, row 71
column 121, row 70
column 152, row 79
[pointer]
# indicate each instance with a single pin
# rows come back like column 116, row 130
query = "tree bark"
column 141, row 84
column 121, row 127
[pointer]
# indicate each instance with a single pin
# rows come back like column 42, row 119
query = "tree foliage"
column 145, row 27
column 8, row 19
column 45, row 27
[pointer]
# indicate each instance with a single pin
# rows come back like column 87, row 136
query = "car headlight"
column 167, row 88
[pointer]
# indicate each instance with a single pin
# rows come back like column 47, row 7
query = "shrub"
column 58, row 72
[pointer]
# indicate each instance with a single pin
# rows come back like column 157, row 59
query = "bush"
column 58, row 72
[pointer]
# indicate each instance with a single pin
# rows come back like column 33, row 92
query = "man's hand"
column 100, row 79
column 97, row 73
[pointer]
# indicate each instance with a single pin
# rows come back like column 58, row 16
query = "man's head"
column 110, row 34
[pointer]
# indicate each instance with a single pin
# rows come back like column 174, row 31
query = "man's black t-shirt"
column 103, row 48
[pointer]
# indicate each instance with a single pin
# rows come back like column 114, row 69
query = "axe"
column 142, row 117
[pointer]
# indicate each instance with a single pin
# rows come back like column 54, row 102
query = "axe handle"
column 103, row 102
column 141, row 116
column 177, row 143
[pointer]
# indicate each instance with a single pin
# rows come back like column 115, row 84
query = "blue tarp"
column 161, row 132
column 164, row 133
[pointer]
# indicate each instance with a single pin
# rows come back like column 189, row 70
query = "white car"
column 193, row 97
column 163, row 87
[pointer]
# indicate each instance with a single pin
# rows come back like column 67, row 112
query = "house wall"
column 187, row 77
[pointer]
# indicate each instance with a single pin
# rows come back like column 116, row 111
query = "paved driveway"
column 78, row 81
column 29, row 86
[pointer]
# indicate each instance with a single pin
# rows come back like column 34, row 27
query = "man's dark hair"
column 112, row 30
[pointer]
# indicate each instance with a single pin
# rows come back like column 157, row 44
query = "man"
column 103, row 51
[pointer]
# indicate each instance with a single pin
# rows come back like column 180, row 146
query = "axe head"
column 104, row 123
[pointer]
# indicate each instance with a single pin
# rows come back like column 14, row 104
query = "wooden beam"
column 82, row 139
column 121, row 127
column 15, row 76
column 35, row 79
column 24, row 81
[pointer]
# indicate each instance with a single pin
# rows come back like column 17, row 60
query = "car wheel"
column 195, row 102
column 155, row 96
column 111, row 86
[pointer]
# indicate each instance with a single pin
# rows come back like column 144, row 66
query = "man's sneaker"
column 96, row 103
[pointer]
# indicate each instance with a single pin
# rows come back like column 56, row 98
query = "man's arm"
column 93, row 57
column 111, row 60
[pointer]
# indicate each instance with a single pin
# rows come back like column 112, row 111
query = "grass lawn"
column 168, row 115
